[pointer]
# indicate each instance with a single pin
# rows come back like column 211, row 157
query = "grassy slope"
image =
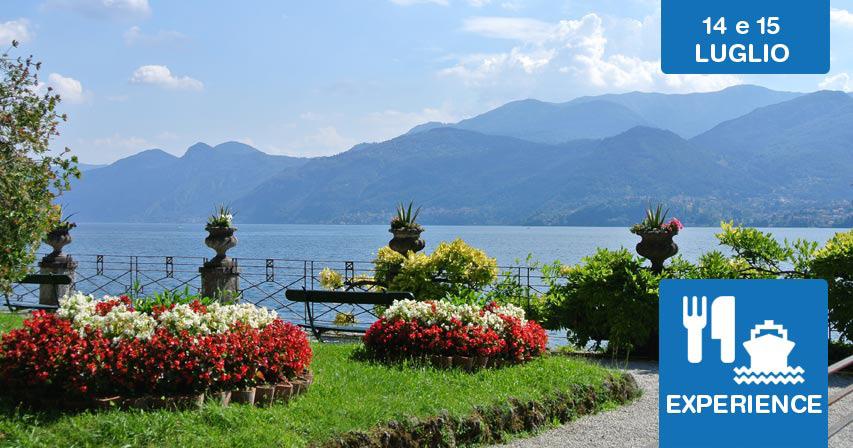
column 347, row 395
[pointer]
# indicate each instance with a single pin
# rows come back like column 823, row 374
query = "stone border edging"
column 489, row 424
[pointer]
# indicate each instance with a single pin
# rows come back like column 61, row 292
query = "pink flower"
column 674, row 225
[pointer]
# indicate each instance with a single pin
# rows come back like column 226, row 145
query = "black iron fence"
column 263, row 281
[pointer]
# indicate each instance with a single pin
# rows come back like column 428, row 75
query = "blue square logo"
column 743, row 363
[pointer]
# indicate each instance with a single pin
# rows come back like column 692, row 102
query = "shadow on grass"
column 35, row 414
column 363, row 356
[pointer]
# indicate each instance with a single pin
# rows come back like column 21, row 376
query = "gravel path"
column 636, row 425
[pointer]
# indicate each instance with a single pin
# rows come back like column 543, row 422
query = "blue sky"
column 316, row 77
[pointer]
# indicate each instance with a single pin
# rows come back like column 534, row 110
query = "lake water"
column 359, row 243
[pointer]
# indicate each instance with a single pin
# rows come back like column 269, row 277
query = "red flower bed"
column 517, row 340
column 50, row 358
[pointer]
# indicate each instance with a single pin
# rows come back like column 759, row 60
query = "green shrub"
column 839, row 350
column 608, row 296
column 611, row 296
column 834, row 263
column 450, row 269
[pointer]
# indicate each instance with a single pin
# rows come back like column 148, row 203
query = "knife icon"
column 723, row 326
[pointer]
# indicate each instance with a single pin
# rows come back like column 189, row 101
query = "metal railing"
column 263, row 281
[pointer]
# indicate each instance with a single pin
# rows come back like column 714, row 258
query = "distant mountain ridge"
column 156, row 186
column 788, row 163
column 605, row 115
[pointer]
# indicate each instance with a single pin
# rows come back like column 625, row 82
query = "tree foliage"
column 31, row 176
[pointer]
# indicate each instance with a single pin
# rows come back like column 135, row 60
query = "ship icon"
column 768, row 352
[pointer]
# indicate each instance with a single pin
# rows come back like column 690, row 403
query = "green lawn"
column 10, row 321
column 347, row 395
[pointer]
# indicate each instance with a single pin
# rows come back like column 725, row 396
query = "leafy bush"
column 761, row 256
column 450, row 269
column 839, row 350
column 834, row 262
column 608, row 296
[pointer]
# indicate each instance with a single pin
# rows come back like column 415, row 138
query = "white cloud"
column 135, row 36
column 841, row 17
column 515, row 28
column 840, row 81
column 577, row 48
column 479, row 3
column 18, row 30
column 391, row 123
column 323, row 141
column 69, row 89
column 108, row 149
column 479, row 68
column 512, row 5
column 104, row 9
column 310, row 116
column 160, row 75
column 327, row 140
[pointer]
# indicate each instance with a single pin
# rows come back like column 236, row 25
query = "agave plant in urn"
column 406, row 230
column 657, row 233
column 220, row 235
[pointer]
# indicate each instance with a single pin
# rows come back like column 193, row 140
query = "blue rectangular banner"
column 745, row 36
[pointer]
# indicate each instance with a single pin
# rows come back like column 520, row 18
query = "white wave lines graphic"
column 788, row 375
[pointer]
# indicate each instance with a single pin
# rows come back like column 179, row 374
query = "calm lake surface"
column 359, row 243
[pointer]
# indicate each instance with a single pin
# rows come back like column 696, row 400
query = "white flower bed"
column 124, row 322
column 442, row 312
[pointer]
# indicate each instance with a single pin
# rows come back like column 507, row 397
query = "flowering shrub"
column 105, row 347
column 410, row 329
column 450, row 268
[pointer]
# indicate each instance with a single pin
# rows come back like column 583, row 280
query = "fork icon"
column 694, row 323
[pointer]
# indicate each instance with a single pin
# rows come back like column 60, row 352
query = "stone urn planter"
column 57, row 239
column 406, row 240
column 220, row 239
column 657, row 247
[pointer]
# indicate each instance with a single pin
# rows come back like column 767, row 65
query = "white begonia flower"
column 441, row 313
column 122, row 322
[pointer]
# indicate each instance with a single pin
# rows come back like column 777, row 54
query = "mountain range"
column 746, row 153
